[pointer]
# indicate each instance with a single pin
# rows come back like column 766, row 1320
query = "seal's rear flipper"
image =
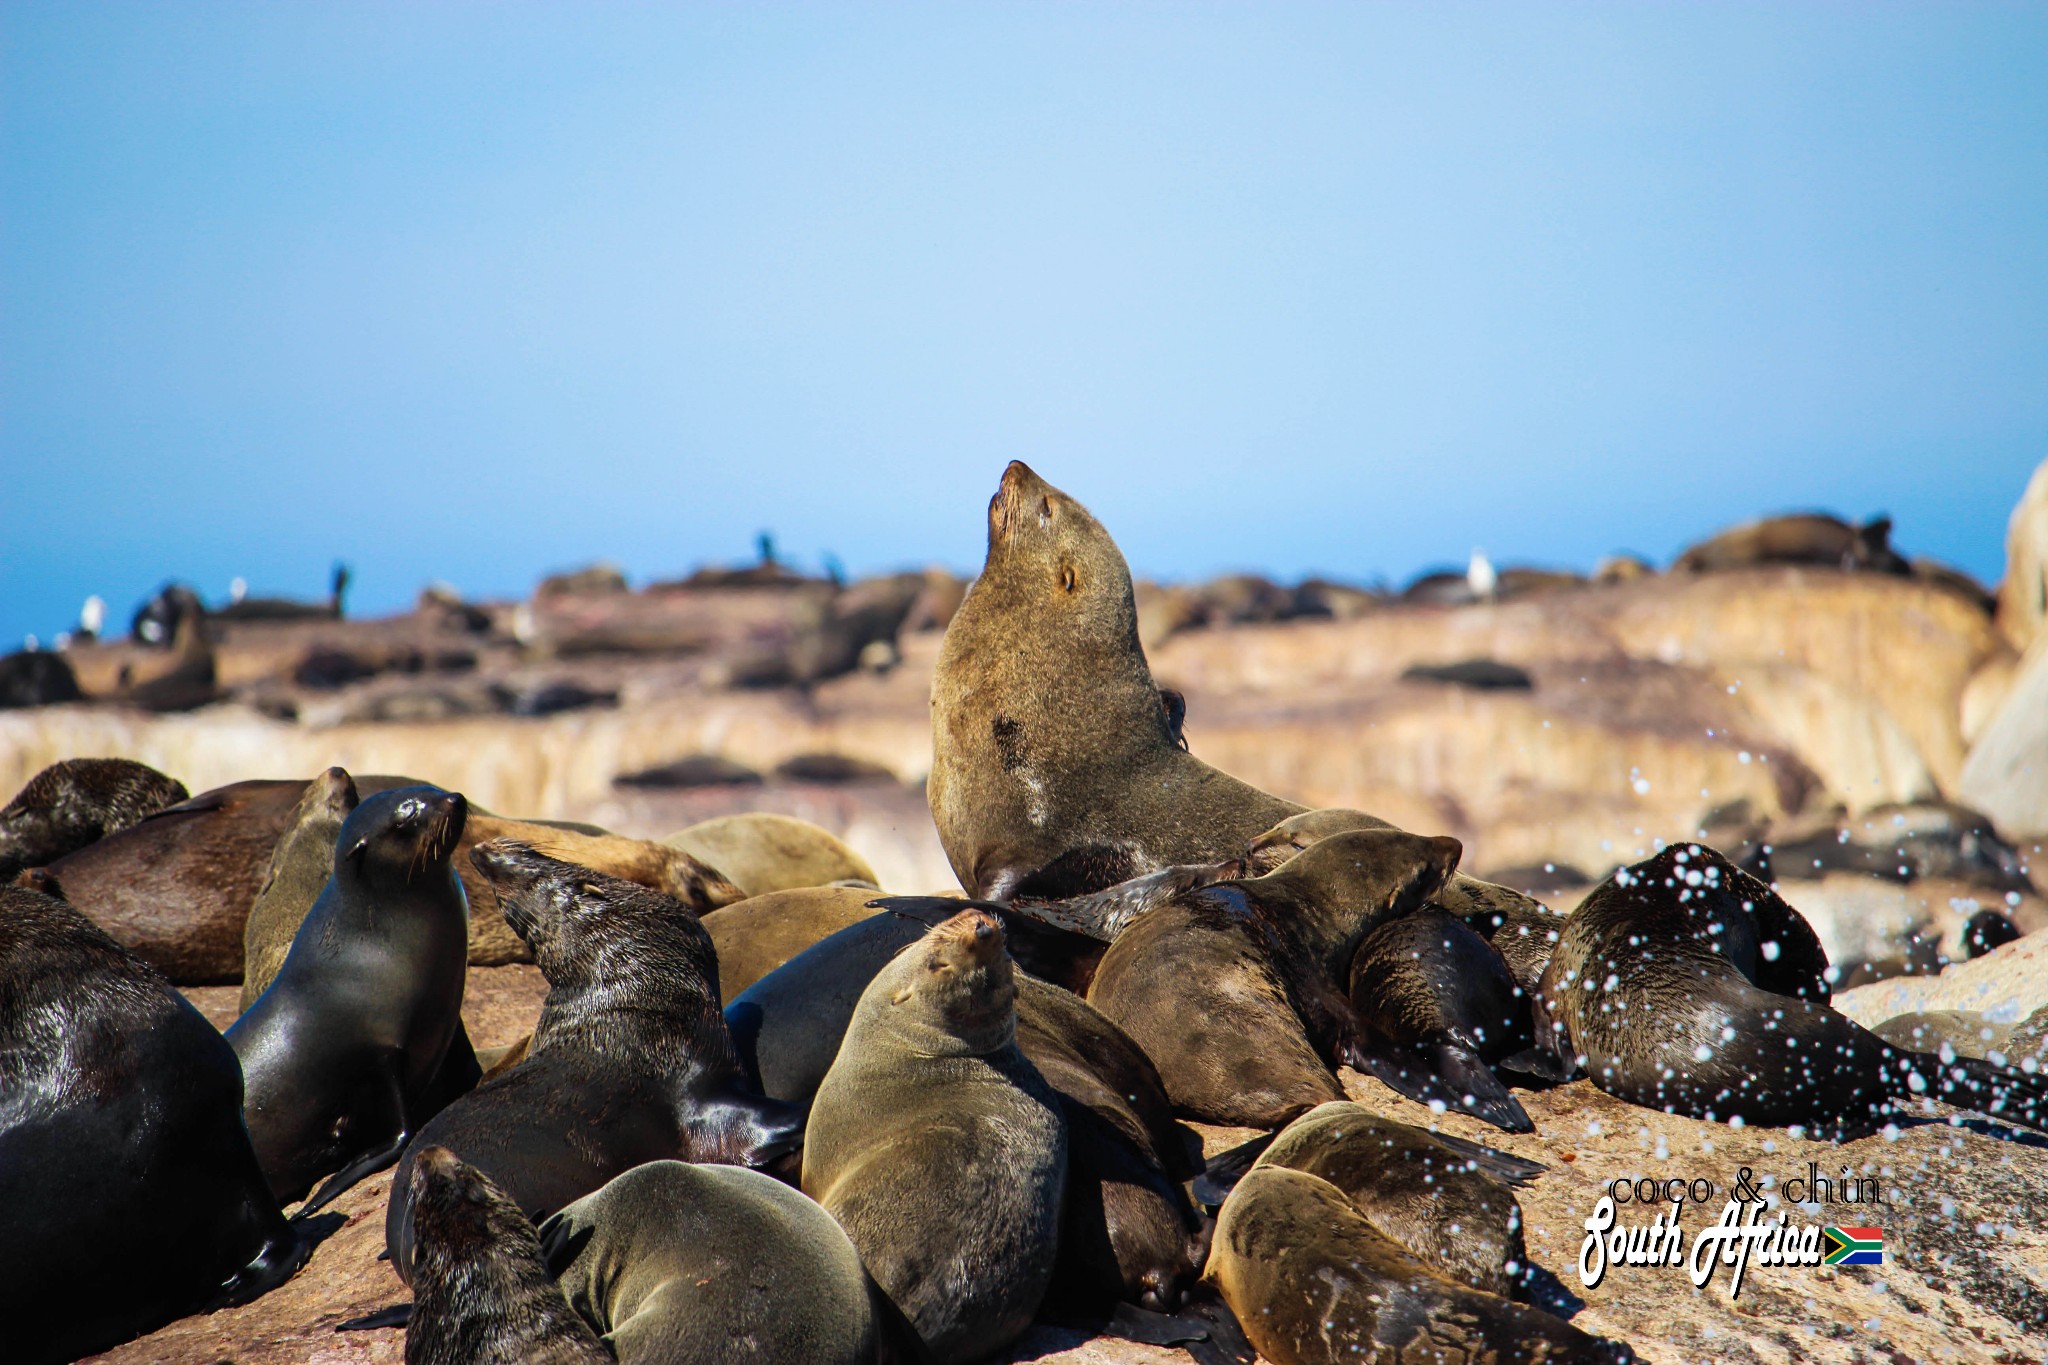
column 1539, row 1064
column 1442, row 1070
column 398, row 1315
column 1502, row 1166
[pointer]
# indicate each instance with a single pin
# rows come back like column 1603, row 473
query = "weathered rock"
column 2023, row 595
column 2005, row 986
column 2006, row 775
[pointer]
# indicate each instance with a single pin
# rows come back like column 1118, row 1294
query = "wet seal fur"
column 630, row 1062
column 1685, row 984
column 675, row 1263
column 1236, row 991
column 77, row 802
column 359, row 1040
column 482, row 1294
column 1056, row 768
column 299, row 869
column 127, row 1177
column 1315, row 1282
column 939, row 1148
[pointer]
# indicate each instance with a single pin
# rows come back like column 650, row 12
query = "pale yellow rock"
column 2023, row 595
column 2005, row 986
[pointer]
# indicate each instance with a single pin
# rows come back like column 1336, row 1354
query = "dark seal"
column 78, row 802
column 1685, row 984
column 131, row 1192
column 481, row 1290
column 345, row 1053
column 630, row 1062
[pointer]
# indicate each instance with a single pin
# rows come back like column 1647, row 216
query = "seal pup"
column 1685, row 984
column 344, row 1054
column 1437, row 1009
column 630, row 1062
column 1055, row 767
column 761, row 851
column 939, row 1148
column 78, row 802
column 1314, row 1282
column 129, row 1185
column 676, row 1264
column 482, row 1294
column 1237, row 990
column 300, row 867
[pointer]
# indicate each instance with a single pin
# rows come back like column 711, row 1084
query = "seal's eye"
column 409, row 810
column 1068, row 582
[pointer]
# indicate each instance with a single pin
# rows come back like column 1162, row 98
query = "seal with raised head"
column 78, row 802
column 1685, row 984
column 355, row 1043
column 300, row 867
column 1236, row 991
column 1056, row 769
column 1314, row 1282
column 482, row 1294
column 131, row 1193
column 677, row 1264
column 630, row 1062
column 939, row 1148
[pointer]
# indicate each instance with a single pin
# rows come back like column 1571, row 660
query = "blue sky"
column 473, row 292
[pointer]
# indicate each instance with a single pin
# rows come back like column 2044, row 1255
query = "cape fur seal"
column 1055, row 768
column 299, row 869
column 345, row 1054
column 760, row 933
column 1314, row 1282
column 78, row 802
column 131, row 1191
column 1797, row 538
column 1685, row 984
column 761, row 851
column 1237, row 990
column 1448, row 1202
column 677, row 1264
column 482, row 1294
column 939, row 1148
column 630, row 1062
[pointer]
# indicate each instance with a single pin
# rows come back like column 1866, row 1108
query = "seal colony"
column 766, row 1106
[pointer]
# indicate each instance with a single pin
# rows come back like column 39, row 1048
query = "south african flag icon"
column 1854, row 1246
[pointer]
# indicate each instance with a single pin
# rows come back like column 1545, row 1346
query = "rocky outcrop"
column 2023, row 595
column 2006, row 775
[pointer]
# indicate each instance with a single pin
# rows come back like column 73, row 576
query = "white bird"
column 1479, row 575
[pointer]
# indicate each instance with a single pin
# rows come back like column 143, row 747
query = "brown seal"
column 1685, row 984
column 355, row 1044
column 481, row 1290
column 631, row 1060
column 676, row 1263
column 1449, row 1203
column 131, row 1192
column 1314, row 1282
column 299, row 868
column 1055, row 769
column 1798, row 538
column 1236, row 990
column 755, row 936
column 761, row 851
column 939, row 1148
column 78, row 802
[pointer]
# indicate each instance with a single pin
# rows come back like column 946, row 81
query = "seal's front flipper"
column 1225, row 1169
column 369, row 1163
column 1443, row 1071
column 458, row 1074
column 398, row 1315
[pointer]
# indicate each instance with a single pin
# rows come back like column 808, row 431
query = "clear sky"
column 473, row 292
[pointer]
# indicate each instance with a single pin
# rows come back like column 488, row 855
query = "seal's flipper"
column 1443, row 1070
column 277, row 1262
column 1539, row 1064
column 1502, row 1166
column 1225, row 1169
column 397, row 1315
column 457, row 1075
column 369, row 1163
